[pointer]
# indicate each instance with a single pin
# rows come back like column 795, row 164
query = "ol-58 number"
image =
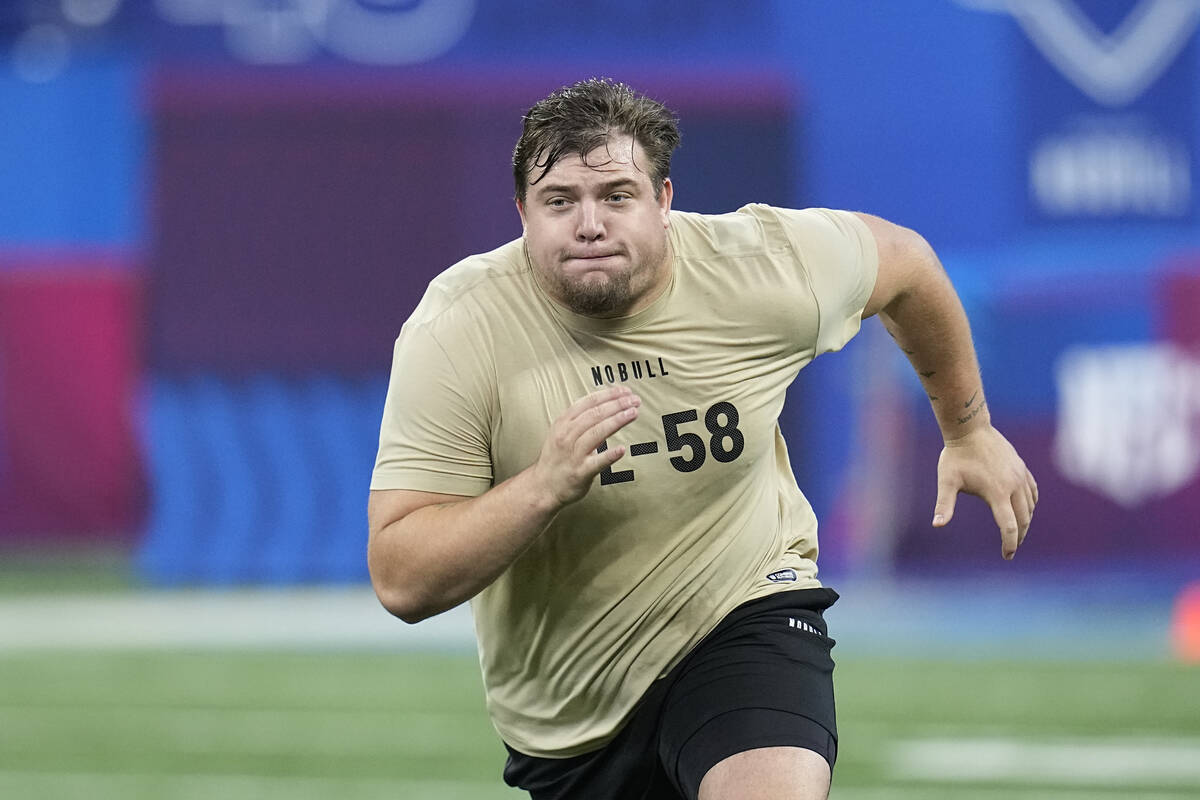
column 725, row 441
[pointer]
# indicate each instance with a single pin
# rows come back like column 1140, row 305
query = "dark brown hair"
column 579, row 118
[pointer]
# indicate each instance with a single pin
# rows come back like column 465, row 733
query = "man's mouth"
column 589, row 256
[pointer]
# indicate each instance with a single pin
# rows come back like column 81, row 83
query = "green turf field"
column 167, row 725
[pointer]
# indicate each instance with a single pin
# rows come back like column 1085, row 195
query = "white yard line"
column 1115, row 761
column 872, row 618
column 236, row 618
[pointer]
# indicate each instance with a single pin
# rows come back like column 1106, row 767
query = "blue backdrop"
column 1047, row 148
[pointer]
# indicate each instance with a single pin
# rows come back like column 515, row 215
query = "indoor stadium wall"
column 208, row 242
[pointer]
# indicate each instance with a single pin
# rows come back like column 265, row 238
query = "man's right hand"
column 569, row 460
column 429, row 552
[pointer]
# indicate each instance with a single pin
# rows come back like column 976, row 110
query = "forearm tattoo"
column 971, row 407
column 973, row 412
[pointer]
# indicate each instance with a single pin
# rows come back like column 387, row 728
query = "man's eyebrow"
column 606, row 187
column 554, row 188
column 619, row 183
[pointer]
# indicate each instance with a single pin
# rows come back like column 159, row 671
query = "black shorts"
column 762, row 678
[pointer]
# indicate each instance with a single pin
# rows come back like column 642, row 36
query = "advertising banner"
column 70, row 462
column 1107, row 108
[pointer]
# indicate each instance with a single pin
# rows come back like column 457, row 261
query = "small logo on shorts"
column 783, row 576
column 802, row 625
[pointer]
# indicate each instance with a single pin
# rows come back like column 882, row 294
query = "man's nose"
column 589, row 226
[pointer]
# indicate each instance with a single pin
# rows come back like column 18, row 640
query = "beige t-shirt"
column 701, row 515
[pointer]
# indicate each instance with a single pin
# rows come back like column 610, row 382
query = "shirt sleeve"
column 435, row 433
column 837, row 252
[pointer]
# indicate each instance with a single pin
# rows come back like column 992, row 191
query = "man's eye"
column 557, row 202
column 618, row 197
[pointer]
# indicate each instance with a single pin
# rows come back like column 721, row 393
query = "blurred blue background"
column 216, row 214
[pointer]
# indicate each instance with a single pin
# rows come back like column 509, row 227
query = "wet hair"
column 579, row 118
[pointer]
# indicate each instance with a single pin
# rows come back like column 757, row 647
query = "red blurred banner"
column 70, row 466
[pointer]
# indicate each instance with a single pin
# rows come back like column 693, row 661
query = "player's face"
column 595, row 232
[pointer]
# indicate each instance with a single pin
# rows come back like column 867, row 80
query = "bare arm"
column 920, row 309
column 429, row 552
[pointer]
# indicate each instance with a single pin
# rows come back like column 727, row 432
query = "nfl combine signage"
column 1107, row 103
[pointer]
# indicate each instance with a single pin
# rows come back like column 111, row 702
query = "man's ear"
column 664, row 200
column 521, row 213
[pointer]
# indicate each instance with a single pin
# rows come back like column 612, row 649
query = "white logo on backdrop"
column 1128, row 420
column 386, row 32
column 1113, row 69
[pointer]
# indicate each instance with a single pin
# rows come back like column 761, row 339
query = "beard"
column 608, row 293
column 605, row 295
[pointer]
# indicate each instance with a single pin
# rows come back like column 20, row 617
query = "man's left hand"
column 984, row 464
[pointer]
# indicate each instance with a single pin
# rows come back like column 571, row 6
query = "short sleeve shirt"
column 702, row 513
